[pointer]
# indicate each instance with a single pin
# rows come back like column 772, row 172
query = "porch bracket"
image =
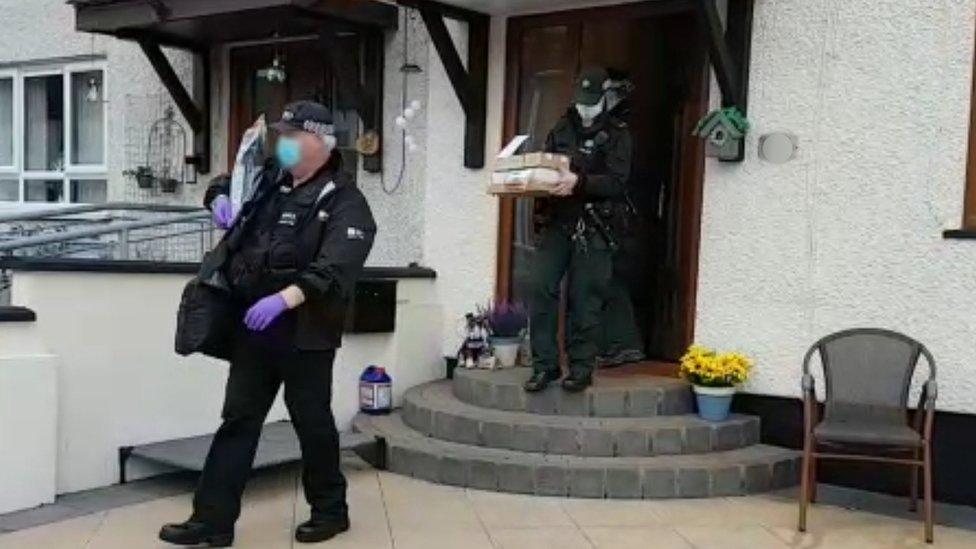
column 470, row 84
column 729, row 48
column 730, row 51
column 195, row 111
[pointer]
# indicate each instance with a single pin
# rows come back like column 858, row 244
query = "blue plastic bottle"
column 375, row 391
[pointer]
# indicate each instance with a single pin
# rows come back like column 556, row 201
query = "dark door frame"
column 692, row 162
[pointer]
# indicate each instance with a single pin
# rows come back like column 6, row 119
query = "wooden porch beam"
column 738, row 35
column 447, row 10
column 726, row 68
column 470, row 84
column 448, row 54
column 182, row 98
column 196, row 117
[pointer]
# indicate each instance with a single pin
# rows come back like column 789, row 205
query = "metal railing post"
column 124, row 244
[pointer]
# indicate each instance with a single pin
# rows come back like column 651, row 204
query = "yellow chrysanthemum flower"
column 703, row 366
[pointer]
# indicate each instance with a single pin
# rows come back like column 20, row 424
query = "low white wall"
column 120, row 382
column 28, row 418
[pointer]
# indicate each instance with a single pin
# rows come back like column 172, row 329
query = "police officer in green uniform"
column 621, row 341
column 576, row 235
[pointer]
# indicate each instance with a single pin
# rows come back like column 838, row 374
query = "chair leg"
column 804, row 488
column 913, row 506
column 813, row 479
column 927, row 481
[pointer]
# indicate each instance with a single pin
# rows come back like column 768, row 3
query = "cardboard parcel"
column 530, row 174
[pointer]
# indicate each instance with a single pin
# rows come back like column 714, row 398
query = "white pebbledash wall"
column 849, row 233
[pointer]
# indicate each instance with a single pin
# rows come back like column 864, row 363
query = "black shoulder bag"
column 206, row 320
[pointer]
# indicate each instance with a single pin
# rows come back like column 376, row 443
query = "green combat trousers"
column 590, row 268
column 619, row 327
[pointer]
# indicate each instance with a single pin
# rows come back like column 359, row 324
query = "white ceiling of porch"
column 519, row 7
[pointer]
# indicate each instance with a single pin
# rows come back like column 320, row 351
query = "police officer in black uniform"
column 576, row 234
column 304, row 237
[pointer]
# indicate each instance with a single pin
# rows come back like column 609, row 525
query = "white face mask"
column 588, row 113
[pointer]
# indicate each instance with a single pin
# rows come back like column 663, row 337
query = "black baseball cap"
column 590, row 86
column 306, row 116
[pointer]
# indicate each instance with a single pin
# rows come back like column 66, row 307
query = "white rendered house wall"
column 850, row 232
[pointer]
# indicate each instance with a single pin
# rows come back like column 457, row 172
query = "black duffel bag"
column 207, row 318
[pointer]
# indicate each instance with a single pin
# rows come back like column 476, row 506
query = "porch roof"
column 521, row 7
column 197, row 25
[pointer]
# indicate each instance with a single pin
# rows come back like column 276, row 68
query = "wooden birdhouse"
column 724, row 131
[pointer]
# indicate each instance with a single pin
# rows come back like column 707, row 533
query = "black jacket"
column 325, row 232
column 601, row 157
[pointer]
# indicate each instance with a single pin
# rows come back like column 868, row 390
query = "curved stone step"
column 433, row 410
column 608, row 397
column 735, row 472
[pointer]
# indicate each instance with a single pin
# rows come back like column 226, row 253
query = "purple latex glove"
column 223, row 212
column 264, row 312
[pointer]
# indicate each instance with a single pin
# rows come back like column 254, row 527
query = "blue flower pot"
column 714, row 403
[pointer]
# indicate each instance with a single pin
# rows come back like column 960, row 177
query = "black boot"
column 539, row 381
column 196, row 533
column 619, row 358
column 320, row 529
column 578, row 381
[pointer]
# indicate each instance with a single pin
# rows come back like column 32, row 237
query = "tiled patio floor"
column 397, row 512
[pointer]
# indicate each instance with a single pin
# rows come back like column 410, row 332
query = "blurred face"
column 302, row 153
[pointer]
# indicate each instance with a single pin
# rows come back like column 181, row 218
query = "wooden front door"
column 308, row 76
column 657, row 45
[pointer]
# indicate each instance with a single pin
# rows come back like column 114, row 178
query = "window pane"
column 6, row 121
column 43, row 190
column 8, row 190
column 44, row 117
column 89, row 191
column 87, row 118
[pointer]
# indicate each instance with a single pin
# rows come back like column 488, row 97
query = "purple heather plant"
column 506, row 319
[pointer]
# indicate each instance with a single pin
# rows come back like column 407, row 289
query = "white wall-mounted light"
column 778, row 147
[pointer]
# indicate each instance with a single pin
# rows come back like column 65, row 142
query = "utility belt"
column 595, row 219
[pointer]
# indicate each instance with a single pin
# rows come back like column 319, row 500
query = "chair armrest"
column 930, row 392
column 926, row 408
column 808, row 385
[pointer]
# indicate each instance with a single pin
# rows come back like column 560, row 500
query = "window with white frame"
column 53, row 134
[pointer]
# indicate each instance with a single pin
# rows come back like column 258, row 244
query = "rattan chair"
column 868, row 375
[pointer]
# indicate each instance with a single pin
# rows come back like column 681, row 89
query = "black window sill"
column 959, row 234
column 412, row 271
column 17, row 314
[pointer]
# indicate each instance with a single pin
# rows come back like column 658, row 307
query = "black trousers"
column 258, row 368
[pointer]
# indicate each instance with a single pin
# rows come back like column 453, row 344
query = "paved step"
column 735, row 472
column 608, row 397
column 433, row 410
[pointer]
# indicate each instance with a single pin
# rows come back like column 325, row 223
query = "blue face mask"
column 288, row 152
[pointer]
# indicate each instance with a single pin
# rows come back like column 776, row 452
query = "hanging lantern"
column 93, row 93
column 275, row 73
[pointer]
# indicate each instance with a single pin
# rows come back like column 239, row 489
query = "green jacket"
column 601, row 157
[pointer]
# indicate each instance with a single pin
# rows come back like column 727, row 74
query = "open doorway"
column 657, row 46
column 305, row 74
